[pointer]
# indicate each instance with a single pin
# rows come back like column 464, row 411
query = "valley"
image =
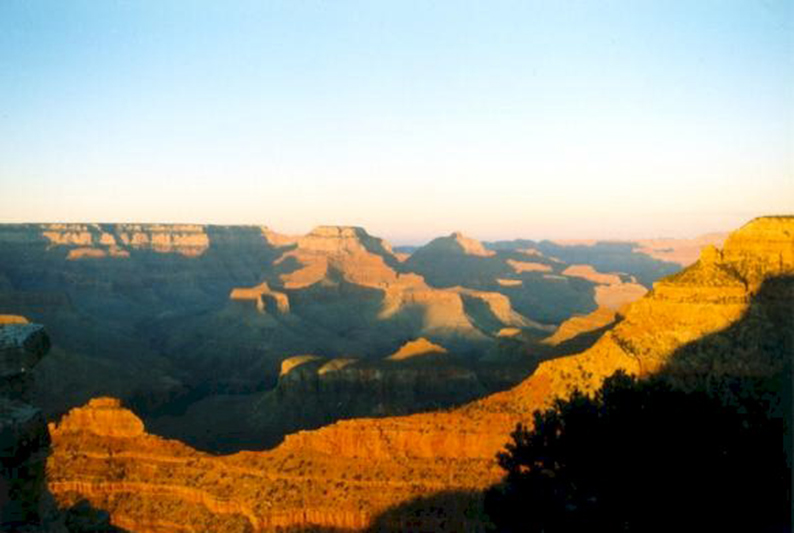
column 188, row 323
column 727, row 314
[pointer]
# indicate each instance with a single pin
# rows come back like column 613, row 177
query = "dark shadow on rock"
column 575, row 345
column 26, row 504
column 760, row 343
column 82, row 517
column 458, row 511
column 450, row 511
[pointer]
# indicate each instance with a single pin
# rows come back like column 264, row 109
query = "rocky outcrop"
column 22, row 345
column 581, row 325
column 456, row 243
column 103, row 417
column 759, row 249
column 313, row 390
column 589, row 273
column 495, row 308
column 418, row 347
column 291, row 363
column 528, row 266
column 349, row 252
column 116, row 240
column 456, row 260
column 153, row 484
column 262, row 297
column 24, row 440
column 611, row 291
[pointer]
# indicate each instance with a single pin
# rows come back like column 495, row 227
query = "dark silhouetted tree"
column 643, row 456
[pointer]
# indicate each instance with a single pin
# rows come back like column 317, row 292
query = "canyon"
column 188, row 324
column 729, row 313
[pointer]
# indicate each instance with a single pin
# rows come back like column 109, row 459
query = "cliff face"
column 24, row 440
column 22, row 345
column 313, row 391
column 151, row 484
column 91, row 241
column 730, row 312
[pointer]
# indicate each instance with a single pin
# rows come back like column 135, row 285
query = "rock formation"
column 151, row 484
column 628, row 257
column 611, row 290
column 420, row 346
column 24, row 441
column 538, row 285
column 103, row 417
column 582, row 325
column 329, row 258
column 730, row 312
column 262, row 297
column 528, row 266
column 88, row 241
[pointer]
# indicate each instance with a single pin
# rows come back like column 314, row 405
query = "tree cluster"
column 641, row 455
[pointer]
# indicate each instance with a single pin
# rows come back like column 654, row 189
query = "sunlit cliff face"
column 93, row 240
column 348, row 474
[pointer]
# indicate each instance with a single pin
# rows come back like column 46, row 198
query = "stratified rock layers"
column 153, row 484
column 346, row 474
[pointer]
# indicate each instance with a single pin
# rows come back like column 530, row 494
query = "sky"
column 554, row 119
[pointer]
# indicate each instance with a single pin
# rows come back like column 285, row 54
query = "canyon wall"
column 729, row 313
column 185, row 322
column 25, row 503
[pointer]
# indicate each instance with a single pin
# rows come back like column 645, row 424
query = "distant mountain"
column 540, row 285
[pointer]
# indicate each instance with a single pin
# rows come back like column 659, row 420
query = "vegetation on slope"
column 645, row 456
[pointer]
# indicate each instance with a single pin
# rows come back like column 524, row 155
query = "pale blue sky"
column 502, row 119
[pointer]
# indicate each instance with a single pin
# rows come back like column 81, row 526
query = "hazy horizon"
column 506, row 120
column 531, row 235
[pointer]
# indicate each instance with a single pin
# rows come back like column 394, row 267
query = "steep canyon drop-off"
column 729, row 313
column 191, row 325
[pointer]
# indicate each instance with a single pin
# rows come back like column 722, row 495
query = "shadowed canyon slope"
column 26, row 505
column 189, row 323
column 729, row 313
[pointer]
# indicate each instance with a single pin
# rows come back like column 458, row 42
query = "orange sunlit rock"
column 526, row 266
column 420, row 346
column 348, row 473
